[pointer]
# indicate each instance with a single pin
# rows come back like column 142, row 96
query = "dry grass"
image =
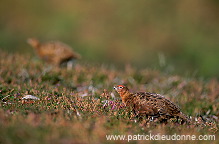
column 72, row 108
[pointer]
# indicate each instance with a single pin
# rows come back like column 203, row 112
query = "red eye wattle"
column 120, row 86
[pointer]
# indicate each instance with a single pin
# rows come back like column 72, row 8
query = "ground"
column 72, row 108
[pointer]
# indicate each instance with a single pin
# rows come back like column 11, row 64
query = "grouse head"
column 121, row 89
column 33, row 42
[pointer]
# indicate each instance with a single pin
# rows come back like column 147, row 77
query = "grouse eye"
column 120, row 87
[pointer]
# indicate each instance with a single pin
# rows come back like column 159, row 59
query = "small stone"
column 30, row 97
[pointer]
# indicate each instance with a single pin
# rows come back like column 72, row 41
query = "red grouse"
column 150, row 105
column 54, row 52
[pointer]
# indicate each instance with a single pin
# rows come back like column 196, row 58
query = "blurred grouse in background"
column 54, row 52
column 150, row 105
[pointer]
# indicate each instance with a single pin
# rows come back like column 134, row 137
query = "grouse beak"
column 115, row 87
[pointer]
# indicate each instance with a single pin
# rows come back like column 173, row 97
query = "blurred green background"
column 177, row 36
